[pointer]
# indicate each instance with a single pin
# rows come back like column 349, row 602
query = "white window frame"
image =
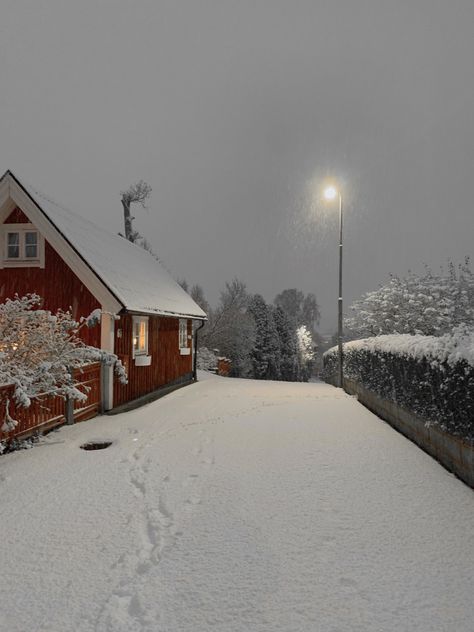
column 138, row 320
column 22, row 261
column 183, row 337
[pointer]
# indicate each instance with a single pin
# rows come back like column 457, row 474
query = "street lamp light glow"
column 330, row 193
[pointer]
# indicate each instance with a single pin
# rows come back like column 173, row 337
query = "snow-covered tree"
column 265, row 354
column 206, row 359
column 135, row 194
column 40, row 350
column 231, row 329
column 288, row 341
column 300, row 309
column 429, row 304
column 306, row 351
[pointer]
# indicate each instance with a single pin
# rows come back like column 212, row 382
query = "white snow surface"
column 134, row 276
column 451, row 348
column 235, row 506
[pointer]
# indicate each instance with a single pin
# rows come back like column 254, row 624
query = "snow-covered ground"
column 235, row 505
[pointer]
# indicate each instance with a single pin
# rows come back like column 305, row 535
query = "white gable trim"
column 62, row 246
column 7, row 205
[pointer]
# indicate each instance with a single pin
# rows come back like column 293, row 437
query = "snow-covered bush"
column 306, row 351
column 431, row 376
column 40, row 350
column 206, row 359
column 429, row 304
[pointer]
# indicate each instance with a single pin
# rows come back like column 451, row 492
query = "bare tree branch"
column 136, row 194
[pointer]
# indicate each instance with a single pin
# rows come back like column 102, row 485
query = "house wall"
column 60, row 288
column 167, row 364
column 56, row 283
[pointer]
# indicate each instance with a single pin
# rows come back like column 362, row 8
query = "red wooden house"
column 146, row 317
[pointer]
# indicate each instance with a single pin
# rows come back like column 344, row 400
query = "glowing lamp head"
column 330, row 193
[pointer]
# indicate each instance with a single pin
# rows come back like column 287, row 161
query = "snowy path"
column 235, row 506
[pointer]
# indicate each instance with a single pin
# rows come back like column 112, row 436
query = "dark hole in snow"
column 96, row 445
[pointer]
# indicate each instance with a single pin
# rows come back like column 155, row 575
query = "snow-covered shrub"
column 431, row 376
column 40, row 350
column 206, row 359
column 428, row 304
column 306, row 351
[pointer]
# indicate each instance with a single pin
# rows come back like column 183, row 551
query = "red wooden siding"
column 49, row 412
column 167, row 364
column 88, row 381
column 56, row 283
column 17, row 217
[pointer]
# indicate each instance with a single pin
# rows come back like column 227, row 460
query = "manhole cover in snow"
column 96, row 445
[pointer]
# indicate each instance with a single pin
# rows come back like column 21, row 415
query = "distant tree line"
column 263, row 341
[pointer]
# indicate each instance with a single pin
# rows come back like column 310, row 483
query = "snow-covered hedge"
column 431, row 376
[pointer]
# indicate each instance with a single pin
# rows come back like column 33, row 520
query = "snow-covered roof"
column 134, row 276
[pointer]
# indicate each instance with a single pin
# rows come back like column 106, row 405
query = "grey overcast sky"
column 234, row 112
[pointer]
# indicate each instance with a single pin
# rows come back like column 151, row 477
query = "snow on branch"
column 39, row 351
column 429, row 304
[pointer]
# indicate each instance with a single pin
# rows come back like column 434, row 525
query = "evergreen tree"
column 289, row 363
column 265, row 355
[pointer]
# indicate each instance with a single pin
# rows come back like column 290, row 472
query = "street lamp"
column 331, row 193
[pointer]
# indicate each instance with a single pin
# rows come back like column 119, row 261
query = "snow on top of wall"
column 133, row 275
column 451, row 348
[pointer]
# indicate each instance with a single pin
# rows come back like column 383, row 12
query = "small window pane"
column 140, row 336
column 136, row 335
column 183, row 333
column 13, row 245
column 31, row 245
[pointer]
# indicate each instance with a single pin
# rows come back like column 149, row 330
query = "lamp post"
column 331, row 193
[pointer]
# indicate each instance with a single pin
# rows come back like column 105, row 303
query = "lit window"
column 183, row 333
column 140, row 335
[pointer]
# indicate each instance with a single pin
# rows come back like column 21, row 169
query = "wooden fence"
column 45, row 413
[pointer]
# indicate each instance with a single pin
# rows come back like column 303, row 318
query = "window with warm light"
column 140, row 335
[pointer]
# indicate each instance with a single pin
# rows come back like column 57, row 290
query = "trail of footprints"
column 153, row 530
